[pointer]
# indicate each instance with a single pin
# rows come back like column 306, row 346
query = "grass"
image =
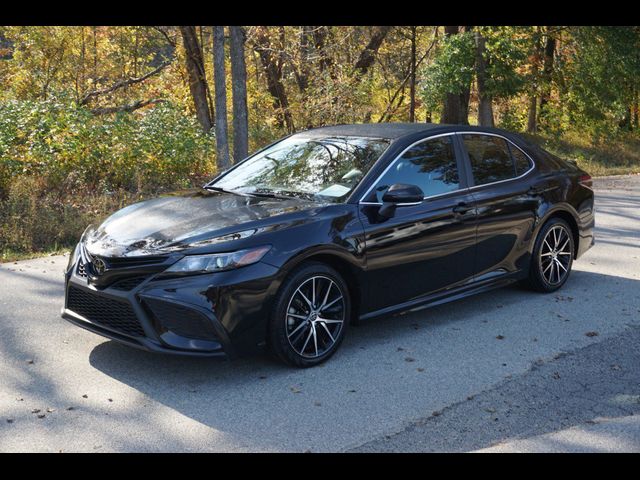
column 8, row 255
column 619, row 156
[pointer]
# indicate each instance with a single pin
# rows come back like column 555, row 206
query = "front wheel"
column 552, row 256
column 310, row 315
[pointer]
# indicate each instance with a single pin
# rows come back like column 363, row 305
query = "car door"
column 503, row 189
column 427, row 246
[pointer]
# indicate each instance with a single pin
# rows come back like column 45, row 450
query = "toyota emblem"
column 99, row 266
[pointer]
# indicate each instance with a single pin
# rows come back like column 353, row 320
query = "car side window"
column 431, row 165
column 490, row 158
column 521, row 161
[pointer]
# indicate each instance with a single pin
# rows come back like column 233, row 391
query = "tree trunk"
column 412, row 80
column 456, row 104
column 532, row 120
column 220, row 83
column 532, row 125
column 197, row 78
column 547, row 72
column 239, row 91
column 368, row 55
column 273, row 73
column 485, row 107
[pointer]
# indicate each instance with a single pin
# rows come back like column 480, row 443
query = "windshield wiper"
column 269, row 195
column 224, row 190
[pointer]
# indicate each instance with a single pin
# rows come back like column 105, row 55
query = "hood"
column 189, row 220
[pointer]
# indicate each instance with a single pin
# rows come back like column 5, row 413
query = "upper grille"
column 104, row 311
column 82, row 270
column 128, row 283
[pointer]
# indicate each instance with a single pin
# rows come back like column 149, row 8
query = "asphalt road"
column 508, row 370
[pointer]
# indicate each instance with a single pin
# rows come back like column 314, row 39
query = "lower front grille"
column 104, row 311
column 181, row 320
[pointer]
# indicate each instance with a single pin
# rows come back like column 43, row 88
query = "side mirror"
column 398, row 194
column 403, row 193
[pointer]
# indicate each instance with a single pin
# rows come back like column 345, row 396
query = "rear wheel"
column 552, row 256
column 310, row 315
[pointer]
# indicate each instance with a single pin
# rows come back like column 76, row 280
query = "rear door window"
column 490, row 158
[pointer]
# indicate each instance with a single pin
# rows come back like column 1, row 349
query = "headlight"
column 218, row 262
column 73, row 256
column 75, row 253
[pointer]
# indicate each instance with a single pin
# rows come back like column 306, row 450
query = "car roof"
column 394, row 130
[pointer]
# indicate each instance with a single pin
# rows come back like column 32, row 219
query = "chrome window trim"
column 398, row 157
column 533, row 166
column 533, row 163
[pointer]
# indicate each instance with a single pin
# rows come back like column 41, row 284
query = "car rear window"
column 521, row 161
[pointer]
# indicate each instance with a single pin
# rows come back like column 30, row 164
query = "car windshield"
column 326, row 168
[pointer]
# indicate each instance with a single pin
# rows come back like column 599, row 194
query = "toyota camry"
column 328, row 227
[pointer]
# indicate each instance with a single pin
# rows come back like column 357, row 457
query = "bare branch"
column 122, row 83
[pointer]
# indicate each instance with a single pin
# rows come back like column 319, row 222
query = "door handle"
column 461, row 208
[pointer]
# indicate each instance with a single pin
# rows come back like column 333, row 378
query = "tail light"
column 585, row 179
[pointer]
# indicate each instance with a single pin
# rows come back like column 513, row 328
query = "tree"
column 447, row 80
column 456, row 103
column 272, row 64
column 197, row 79
column 547, row 72
column 239, row 93
column 412, row 80
column 485, row 107
column 368, row 54
column 534, row 74
column 220, row 82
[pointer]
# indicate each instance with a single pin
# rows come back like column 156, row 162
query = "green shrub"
column 61, row 142
column 61, row 167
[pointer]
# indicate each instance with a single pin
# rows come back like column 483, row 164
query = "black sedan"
column 326, row 227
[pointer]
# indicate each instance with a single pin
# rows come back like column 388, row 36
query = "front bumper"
column 212, row 315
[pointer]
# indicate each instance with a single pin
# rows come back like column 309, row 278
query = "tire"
column 303, row 333
column 552, row 257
